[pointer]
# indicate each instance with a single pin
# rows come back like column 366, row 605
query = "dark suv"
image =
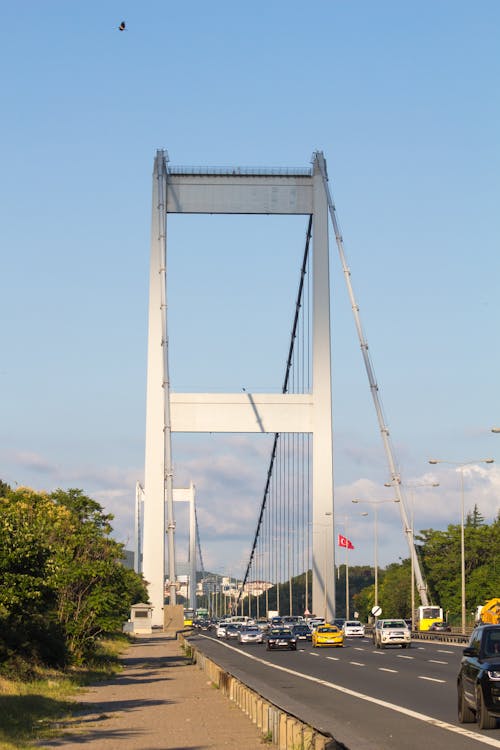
column 478, row 681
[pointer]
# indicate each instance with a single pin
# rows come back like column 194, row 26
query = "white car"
column 393, row 632
column 315, row 621
column 353, row 629
column 221, row 630
column 250, row 634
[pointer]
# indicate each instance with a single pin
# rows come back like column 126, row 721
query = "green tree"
column 30, row 527
column 62, row 580
column 94, row 589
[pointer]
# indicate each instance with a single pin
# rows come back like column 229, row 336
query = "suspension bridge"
column 294, row 532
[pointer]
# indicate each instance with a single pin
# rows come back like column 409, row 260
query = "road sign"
column 376, row 611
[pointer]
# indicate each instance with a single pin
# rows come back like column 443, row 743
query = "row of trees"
column 63, row 584
column 440, row 560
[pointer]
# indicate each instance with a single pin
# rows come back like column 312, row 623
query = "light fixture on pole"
column 412, row 487
column 375, row 504
column 461, row 467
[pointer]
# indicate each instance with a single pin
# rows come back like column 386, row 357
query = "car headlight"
column 494, row 674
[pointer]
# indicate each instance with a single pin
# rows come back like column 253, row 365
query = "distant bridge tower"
column 239, row 191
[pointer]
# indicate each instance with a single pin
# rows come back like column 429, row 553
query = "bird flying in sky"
column 122, row 26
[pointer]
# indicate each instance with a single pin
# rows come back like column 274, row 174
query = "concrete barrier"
column 285, row 731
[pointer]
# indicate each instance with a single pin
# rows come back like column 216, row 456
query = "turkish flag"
column 345, row 542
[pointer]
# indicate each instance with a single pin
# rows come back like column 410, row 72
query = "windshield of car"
column 394, row 624
column 250, row 629
column 352, row 624
column 328, row 629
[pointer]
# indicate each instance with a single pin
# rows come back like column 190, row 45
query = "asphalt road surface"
column 364, row 697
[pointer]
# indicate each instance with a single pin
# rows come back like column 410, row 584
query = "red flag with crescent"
column 345, row 542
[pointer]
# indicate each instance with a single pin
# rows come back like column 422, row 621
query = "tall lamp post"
column 412, row 488
column 375, row 504
column 461, row 467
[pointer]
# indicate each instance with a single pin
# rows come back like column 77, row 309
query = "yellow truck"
column 489, row 612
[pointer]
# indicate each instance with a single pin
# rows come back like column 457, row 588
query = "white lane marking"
column 332, row 658
column 384, row 669
column 403, row 656
column 435, row 661
column 484, row 739
column 313, row 653
column 356, row 664
column 442, row 651
column 357, row 648
column 431, row 679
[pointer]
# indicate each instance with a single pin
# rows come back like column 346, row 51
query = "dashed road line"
column 357, row 664
column 436, row 661
column 430, row 679
column 384, row 669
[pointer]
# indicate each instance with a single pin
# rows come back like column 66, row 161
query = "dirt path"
column 160, row 700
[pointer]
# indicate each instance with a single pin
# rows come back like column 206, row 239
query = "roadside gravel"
column 159, row 701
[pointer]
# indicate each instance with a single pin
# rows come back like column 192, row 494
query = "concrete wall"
column 279, row 728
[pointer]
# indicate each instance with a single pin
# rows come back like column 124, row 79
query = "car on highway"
column 478, row 681
column 280, row 638
column 439, row 627
column 302, row 632
column 232, row 630
column 353, row 629
column 220, row 630
column 276, row 622
column 327, row 635
column 290, row 620
column 391, row 632
column 315, row 621
column 250, row 634
column 263, row 624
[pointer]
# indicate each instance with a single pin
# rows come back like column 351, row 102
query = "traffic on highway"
column 399, row 693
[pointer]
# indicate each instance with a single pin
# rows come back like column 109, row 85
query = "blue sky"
column 403, row 100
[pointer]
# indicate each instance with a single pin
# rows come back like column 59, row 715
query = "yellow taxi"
column 327, row 635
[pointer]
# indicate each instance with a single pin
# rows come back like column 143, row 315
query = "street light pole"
column 375, row 504
column 412, row 486
column 461, row 467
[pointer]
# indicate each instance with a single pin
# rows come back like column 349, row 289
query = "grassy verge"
column 44, row 707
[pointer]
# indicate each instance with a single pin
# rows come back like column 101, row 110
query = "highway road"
column 364, row 697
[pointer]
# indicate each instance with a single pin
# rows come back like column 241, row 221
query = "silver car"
column 250, row 634
column 393, row 632
column 353, row 629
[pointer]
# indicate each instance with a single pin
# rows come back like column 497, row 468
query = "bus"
column 189, row 615
column 427, row 615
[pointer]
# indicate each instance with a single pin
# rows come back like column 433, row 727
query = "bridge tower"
column 238, row 191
